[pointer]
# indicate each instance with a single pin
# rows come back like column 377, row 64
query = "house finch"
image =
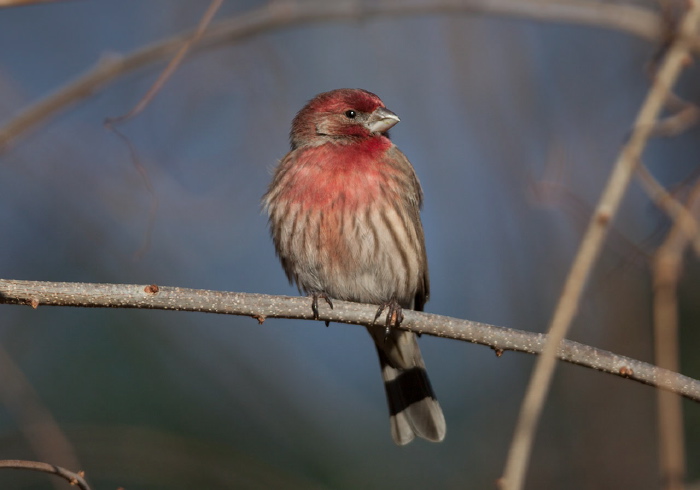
column 344, row 217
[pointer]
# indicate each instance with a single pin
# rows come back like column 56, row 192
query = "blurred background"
column 512, row 125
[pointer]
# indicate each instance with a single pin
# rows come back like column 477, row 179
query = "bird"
column 344, row 215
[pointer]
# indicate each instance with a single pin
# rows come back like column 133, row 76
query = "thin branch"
column 141, row 105
column 35, row 421
column 591, row 245
column 172, row 65
column 21, row 3
column 283, row 14
column 667, row 270
column 262, row 306
column 145, row 177
column 682, row 218
column 76, row 479
column 684, row 116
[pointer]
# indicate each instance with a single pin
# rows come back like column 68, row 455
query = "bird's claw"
column 394, row 315
column 314, row 304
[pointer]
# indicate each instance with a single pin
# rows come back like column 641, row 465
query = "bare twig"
column 145, row 100
column 262, row 306
column 155, row 202
column 76, row 479
column 667, row 269
column 20, row 3
column 277, row 15
column 678, row 122
column 557, row 196
column 675, row 59
column 36, row 422
column 682, row 218
column 172, row 65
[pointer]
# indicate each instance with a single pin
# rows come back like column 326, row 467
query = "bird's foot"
column 314, row 303
column 394, row 315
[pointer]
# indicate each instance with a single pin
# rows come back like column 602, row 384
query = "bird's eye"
column 350, row 114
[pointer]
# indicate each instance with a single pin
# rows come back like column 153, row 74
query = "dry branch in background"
column 141, row 105
column 75, row 479
column 36, row 422
column 634, row 20
column 263, row 306
column 668, row 265
column 682, row 218
column 19, row 3
column 670, row 68
column 172, row 65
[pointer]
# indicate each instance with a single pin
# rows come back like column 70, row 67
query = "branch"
column 76, row 479
column 36, row 422
column 172, row 66
column 281, row 14
column 263, row 306
column 682, row 218
column 674, row 61
column 668, row 264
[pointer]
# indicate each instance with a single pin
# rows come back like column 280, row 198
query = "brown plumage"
column 344, row 209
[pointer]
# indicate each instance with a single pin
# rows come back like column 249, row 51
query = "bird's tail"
column 413, row 408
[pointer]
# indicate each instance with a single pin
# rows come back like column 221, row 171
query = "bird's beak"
column 381, row 120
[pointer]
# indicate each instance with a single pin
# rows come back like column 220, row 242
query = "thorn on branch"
column 260, row 319
column 152, row 289
column 499, row 352
column 34, row 304
column 626, row 371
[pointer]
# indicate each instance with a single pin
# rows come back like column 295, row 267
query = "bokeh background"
column 512, row 126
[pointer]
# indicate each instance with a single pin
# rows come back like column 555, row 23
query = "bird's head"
column 341, row 116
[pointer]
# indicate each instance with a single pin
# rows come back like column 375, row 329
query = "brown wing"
column 414, row 200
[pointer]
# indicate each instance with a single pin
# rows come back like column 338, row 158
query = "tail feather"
column 413, row 407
